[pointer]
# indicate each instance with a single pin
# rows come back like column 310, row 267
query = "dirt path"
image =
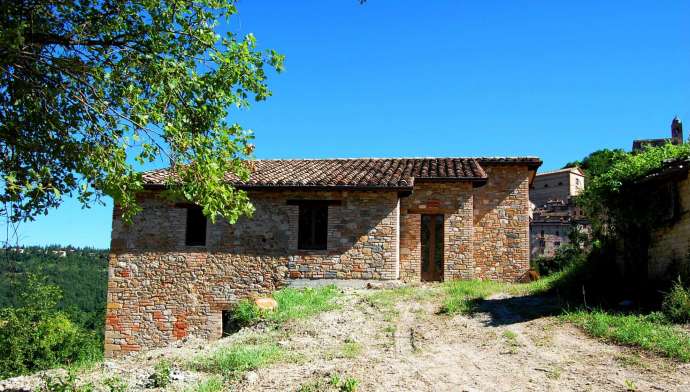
column 495, row 350
column 403, row 344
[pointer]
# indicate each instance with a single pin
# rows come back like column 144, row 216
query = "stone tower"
column 676, row 131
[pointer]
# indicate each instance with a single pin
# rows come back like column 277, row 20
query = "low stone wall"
column 154, row 298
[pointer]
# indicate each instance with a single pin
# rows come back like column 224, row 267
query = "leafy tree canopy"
column 598, row 162
column 611, row 200
column 88, row 87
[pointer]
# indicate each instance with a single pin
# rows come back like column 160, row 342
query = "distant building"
column 554, row 213
column 557, row 185
column 676, row 137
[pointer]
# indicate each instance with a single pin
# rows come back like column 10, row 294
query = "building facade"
column 173, row 274
column 554, row 213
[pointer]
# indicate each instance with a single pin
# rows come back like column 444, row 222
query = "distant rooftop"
column 567, row 169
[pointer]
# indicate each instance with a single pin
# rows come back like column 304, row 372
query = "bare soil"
column 509, row 344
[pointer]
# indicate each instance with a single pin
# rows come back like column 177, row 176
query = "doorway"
column 432, row 247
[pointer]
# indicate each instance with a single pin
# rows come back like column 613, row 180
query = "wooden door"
column 432, row 247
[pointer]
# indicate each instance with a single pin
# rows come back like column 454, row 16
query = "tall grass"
column 644, row 331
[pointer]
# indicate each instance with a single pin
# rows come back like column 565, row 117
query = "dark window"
column 313, row 225
column 546, row 185
column 196, row 227
column 556, row 243
column 557, row 232
column 666, row 202
column 560, row 183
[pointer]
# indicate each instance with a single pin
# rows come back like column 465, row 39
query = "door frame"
column 433, row 275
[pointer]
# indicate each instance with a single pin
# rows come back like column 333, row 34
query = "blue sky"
column 397, row 78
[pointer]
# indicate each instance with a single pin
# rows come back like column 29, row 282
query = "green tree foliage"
column 611, row 200
column 82, row 276
column 35, row 335
column 598, row 162
column 89, row 87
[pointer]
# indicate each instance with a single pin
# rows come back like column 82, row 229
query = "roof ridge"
column 360, row 172
column 398, row 158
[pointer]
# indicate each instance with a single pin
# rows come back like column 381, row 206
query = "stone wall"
column 501, row 224
column 160, row 290
column 454, row 201
column 669, row 251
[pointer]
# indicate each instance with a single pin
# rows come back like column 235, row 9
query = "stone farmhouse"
column 668, row 251
column 555, row 214
column 173, row 274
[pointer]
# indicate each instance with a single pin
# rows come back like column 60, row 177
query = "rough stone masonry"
column 161, row 289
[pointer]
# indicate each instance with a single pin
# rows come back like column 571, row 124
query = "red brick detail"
column 180, row 327
column 125, row 273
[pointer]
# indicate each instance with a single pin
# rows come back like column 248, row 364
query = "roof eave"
column 303, row 187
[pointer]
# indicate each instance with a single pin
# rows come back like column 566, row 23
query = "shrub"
column 161, row 374
column 69, row 383
column 115, row 384
column 246, row 313
column 36, row 336
column 349, row 385
column 566, row 256
column 676, row 303
column 588, row 280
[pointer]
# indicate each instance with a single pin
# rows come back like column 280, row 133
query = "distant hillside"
column 81, row 273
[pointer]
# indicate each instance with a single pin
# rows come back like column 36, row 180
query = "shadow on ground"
column 505, row 310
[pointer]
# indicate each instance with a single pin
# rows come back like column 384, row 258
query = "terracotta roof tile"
column 360, row 172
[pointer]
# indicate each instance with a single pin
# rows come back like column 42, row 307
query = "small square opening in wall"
column 230, row 325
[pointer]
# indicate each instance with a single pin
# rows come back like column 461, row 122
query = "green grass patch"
column 648, row 332
column 461, row 296
column 239, row 357
column 293, row 304
column 350, row 350
column 212, row 384
column 296, row 304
